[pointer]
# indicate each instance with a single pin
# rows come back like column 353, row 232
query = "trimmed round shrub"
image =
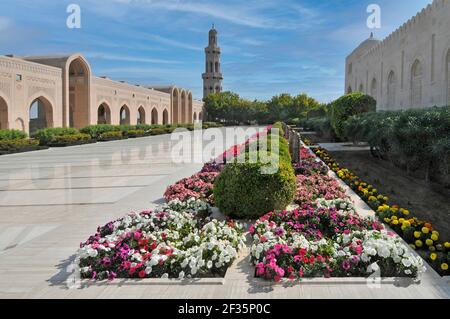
column 243, row 191
column 249, row 190
column 347, row 106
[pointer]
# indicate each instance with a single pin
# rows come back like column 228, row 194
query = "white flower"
column 165, row 276
column 194, row 270
column 406, row 262
column 181, row 275
column 209, row 264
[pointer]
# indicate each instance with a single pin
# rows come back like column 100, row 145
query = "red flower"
column 142, row 274
column 277, row 278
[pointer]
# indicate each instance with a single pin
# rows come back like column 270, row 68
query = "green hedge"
column 9, row 146
column 136, row 133
column 96, row 130
column 347, row 106
column 12, row 135
column 243, row 190
column 111, row 136
column 47, row 135
column 412, row 139
column 70, row 140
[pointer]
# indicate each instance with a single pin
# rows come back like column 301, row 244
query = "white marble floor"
column 51, row 200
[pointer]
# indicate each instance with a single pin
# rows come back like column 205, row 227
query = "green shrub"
column 347, row 106
column 160, row 131
column 12, row 135
column 48, row 135
column 68, row 140
column 243, row 190
column 145, row 127
column 96, row 130
column 136, row 133
column 8, row 146
column 111, row 136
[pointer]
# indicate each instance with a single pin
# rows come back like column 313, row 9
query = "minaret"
column 212, row 78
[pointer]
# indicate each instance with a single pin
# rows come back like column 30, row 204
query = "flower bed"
column 325, row 237
column 421, row 235
column 198, row 186
column 176, row 240
column 169, row 242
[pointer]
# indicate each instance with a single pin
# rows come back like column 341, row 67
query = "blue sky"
column 269, row 46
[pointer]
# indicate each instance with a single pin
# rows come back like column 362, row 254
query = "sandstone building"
column 212, row 78
column 408, row 69
column 61, row 91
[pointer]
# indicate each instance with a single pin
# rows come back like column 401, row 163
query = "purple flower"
column 346, row 265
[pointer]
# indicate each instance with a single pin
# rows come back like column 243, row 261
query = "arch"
column 217, row 67
column 79, row 75
column 141, row 115
column 416, row 84
column 4, row 123
column 391, row 89
column 190, row 108
column 165, row 117
column 361, row 88
column 103, row 114
column 40, row 114
column 124, row 115
column 20, row 124
column 349, row 90
column 374, row 88
column 195, row 116
column 200, row 116
column 447, row 74
column 175, row 106
column 154, row 116
column 183, row 107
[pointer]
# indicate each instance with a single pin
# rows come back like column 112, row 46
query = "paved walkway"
column 51, row 200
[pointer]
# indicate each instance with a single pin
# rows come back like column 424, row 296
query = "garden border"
column 354, row 196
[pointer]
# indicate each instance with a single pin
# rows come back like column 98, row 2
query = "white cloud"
column 128, row 58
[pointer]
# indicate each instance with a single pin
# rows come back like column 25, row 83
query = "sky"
column 269, row 47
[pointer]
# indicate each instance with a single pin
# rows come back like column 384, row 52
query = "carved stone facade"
column 411, row 67
column 61, row 91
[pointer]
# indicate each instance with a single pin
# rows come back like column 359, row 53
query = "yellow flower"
column 444, row 266
column 425, row 230
column 419, row 243
column 433, row 256
column 406, row 212
column 435, row 233
column 434, row 237
column 386, row 198
column 406, row 224
column 372, row 198
column 394, row 217
column 429, row 242
column 401, row 220
column 417, row 234
column 447, row 245
column 395, row 222
column 387, row 220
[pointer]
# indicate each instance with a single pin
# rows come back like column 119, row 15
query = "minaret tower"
column 212, row 78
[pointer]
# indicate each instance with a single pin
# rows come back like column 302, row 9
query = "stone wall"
column 411, row 67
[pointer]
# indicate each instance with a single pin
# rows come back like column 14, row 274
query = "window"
column 18, row 77
column 416, row 84
column 391, row 90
